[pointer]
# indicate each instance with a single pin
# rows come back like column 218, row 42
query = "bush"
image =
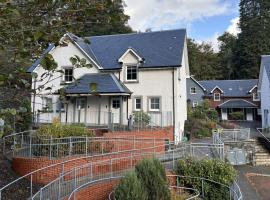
column 237, row 115
column 58, row 130
column 153, row 177
column 199, row 128
column 212, row 169
column 141, row 118
column 130, row 188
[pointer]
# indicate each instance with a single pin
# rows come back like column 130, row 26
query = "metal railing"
column 113, row 121
column 179, row 190
column 114, row 167
column 45, row 175
column 29, row 144
column 39, row 177
column 234, row 135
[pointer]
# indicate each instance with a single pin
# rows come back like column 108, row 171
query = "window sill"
column 135, row 81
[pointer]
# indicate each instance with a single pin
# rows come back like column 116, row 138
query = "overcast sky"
column 204, row 20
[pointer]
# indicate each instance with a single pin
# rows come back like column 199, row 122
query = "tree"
column 28, row 27
column 130, row 187
column 253, row 40
column 203, row 61
column 227, row 44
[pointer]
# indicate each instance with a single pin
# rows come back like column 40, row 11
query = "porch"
column 238, row 109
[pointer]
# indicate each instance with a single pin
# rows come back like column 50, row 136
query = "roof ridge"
column 138, row 33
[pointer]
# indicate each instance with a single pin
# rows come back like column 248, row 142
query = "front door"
column 115, row 108
column 80, row 110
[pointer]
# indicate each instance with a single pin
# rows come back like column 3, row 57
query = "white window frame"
column 64, row 74
column 195, row 104
column 254, row 96
column 132, row 66
column 191, row 92
column 135, row 104
column 216, row 99
column 150, row 104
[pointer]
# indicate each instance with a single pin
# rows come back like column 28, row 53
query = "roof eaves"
column 216, row 87
column 197, row 83
column 76, row 43
column 121, row 86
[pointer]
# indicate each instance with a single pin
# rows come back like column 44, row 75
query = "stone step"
column 262, row 163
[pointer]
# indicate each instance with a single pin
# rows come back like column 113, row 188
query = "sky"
column 204, row 20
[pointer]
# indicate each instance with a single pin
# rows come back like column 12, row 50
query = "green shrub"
column 213, row 169
column 58, row 130
column 153, row 177
column 237, row 115
column 130, row 188
column 212, row 115
column 141, row 118
column 199, row 128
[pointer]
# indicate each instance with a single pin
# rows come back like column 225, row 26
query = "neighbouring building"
column 195, row 92
column 228, row 97
column 131, row 72
column 264, row 90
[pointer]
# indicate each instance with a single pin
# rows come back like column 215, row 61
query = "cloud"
column 234, row 27
column 213, row 40
column 164, row 14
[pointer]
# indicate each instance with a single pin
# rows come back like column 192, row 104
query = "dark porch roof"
column 106, row 84
column 237, row 103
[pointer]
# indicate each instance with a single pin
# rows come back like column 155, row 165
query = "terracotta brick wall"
column 24, row 166
column 98, row 191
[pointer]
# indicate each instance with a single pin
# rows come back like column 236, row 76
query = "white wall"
column 265, row 98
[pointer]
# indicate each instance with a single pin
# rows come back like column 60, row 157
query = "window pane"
column 138, row 104
column 68, row 75
column 116, row 103
column 154, row 104
column 132, row 73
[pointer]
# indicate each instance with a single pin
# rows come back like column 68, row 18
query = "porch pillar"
column 121, row 110
column 99, row 109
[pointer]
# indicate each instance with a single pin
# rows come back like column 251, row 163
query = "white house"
column 131, row 72
column 264, row 90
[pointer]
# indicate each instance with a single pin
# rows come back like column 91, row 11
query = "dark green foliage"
column 153, row 177
column 130, row 188
column 212, row 169
column 201, row 120
column 141, row 118
column 237, row 115
column 203, row 61
column 227, row 44
column 254, row 40
column 27, row 28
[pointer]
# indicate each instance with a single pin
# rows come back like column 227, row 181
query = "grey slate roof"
column 231, row 88
column 106, row 83
column 37, row 62
column 237, row 103
column 159, row 49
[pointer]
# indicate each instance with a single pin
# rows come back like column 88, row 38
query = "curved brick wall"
column 25, row 165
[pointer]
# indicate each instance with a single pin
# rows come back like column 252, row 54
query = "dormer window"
column 132, row 73
column 193, row 90
column 68, row 75
column 216, row 96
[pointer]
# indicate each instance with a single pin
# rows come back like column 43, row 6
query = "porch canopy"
column 97, row 84
column 237, row 103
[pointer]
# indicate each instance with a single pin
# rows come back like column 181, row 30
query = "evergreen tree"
column 227, row 43
column 203, row 61
column 254, row 40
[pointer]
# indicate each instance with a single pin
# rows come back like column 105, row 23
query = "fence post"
column 50, row 153
column 22, row 141
column 30, row 149
column 203, row 188
column 173, row 158
column 31, row 185
column 4, row 151
column 70, row 146
column 86, row 145
column 59, row 187
column 111, row 168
